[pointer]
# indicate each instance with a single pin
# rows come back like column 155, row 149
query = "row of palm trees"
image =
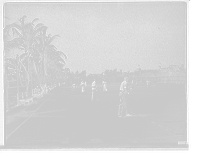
column 39, row 60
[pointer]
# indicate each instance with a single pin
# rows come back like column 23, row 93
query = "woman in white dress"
column 83, row 85
column 104, row 85
column 94, row 88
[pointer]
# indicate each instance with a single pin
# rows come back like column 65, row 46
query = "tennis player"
column 122, row 94
column 94, row 90
column 147, row 83
column 73, row 87
column 83, row 85
column 104, row 85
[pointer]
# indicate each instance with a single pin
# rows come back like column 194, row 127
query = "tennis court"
column 69, row 119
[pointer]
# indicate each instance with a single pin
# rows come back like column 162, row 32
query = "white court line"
column 156, row 123
column 179, row 134
column 164, row 128
column 174, row 121
column 169, row 122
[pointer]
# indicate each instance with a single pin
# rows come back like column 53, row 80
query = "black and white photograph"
column 95, row 75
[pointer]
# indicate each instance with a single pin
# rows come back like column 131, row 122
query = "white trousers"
column 122, row 104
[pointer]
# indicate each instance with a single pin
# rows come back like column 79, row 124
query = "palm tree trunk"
column 27, row 75
column 27, row 84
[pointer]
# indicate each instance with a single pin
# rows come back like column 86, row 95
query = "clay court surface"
column 67, row 119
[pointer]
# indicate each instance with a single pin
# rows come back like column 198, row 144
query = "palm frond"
column 16, row 26
column 17, row 32
column 62, row 54
column 23, row 56
column 42, row 29
column 52, row 38
column 52, row 48
column 13, row 25
column 31, row 24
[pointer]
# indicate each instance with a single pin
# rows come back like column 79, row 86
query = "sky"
column 100, row 36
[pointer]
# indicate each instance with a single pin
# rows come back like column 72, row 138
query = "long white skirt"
column 82, row 89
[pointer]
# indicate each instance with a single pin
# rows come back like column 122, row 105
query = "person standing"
column 104, row 86
column 83, row 85
column 94, row 89
column 147, row 83
column 73, row 87
column 123, row 95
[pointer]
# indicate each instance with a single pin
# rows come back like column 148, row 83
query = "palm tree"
column 20, row 67
column 25, row 37
column 66, row 72
column 9, row 62
column 55, row 63
column 8, row 44
column 49, row 59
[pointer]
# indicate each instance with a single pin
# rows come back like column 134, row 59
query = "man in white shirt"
column 94, row 88
column 123, row 92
